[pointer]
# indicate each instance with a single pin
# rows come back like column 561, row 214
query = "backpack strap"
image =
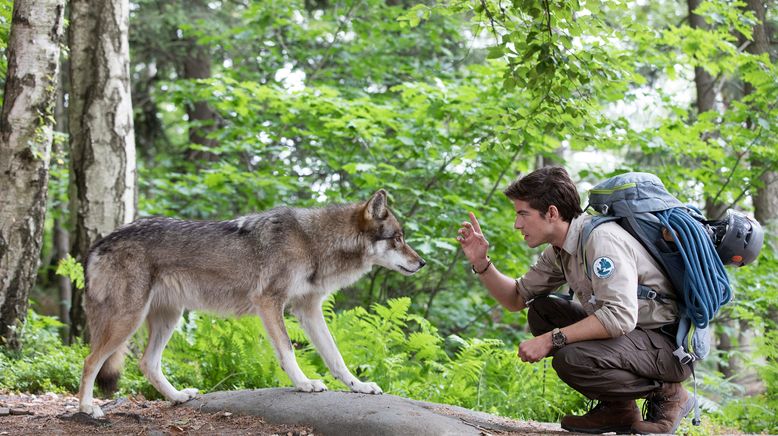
column 646, row 293
column 587, row 230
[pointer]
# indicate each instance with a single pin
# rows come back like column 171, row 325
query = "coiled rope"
column 707, row 288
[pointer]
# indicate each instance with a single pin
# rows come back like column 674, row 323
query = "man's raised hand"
column 473, row 242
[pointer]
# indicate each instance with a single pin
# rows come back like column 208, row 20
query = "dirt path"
column 52, row 414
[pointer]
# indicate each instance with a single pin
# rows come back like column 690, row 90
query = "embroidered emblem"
column 603, row 267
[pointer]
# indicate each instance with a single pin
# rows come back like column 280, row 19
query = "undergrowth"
column 402, row 352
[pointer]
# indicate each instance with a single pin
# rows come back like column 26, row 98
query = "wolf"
column 260, row 264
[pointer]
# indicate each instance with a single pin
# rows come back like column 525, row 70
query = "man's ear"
column 553, row 213
column 376, row 206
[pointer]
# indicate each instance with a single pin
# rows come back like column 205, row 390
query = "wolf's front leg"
column 312, row 320
column 272, row 315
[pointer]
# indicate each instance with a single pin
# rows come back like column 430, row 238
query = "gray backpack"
column 678, row 239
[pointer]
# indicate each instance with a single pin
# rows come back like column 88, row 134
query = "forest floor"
column 52, row 414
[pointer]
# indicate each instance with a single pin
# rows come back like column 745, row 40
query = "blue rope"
column 706, row 286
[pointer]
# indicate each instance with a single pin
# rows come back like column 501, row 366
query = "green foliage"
column 43, row 364
column 757, row 414
column 6, row 9
column 72, row 269
column 442, row 103
column 400, row 351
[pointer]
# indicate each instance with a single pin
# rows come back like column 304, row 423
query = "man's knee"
column 569, row 363
column 549, row 311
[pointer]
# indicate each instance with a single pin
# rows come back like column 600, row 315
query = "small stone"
column 4, row 411
column 21, row 412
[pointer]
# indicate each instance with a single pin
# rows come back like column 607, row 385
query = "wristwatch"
column 558, row 339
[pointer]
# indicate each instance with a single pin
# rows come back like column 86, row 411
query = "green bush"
column 402, row 352
column 43, row 364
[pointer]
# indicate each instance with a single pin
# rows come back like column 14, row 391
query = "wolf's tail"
column 108, row 377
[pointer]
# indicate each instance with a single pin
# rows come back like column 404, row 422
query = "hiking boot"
column 665, row 408
column 606, row 416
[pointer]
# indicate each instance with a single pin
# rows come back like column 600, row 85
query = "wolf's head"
column 387, row 242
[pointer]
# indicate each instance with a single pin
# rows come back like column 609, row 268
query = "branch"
column 328, row 50
column 490, row 16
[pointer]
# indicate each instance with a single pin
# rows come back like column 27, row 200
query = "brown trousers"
column 615, row 369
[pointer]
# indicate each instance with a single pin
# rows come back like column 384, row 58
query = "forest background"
column 239, row 106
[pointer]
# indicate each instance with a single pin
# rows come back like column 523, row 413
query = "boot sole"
column 612, row 429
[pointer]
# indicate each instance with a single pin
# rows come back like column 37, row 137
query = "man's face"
column 535, row 229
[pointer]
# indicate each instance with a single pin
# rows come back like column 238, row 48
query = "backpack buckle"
column 683, row 356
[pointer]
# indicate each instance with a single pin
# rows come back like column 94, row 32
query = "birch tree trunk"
column 101, row 130
column 26, row 132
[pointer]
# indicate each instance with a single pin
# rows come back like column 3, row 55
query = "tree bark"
column 766, row 196
column 26, row 132
column 706, row 98
column 60, row 233
column 202, row 119
column 101, row 127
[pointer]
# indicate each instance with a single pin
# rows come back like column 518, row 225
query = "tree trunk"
column 706, row 98
column 61, row 234
column 101, row 130
column 202, row 119
column 766, row 196
column 26, row 131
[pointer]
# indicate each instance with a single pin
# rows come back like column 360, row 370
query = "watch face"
column 558, row 339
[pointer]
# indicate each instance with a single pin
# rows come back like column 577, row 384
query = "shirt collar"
column 570, row 245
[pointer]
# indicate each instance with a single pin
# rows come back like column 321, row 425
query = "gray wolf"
column 260, row 264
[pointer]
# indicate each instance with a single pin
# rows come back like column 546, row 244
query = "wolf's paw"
column 311, row 386
column 92, row 410
column 183, row 395
column 366, row 388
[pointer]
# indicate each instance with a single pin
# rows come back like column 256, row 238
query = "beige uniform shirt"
column 617, row 263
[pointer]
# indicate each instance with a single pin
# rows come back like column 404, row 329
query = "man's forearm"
column 502, row 288
column 586, row 329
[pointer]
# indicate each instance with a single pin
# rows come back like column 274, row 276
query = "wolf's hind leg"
column 108, row 337
column 312, row 321
column 272, row 314
column 161, row 324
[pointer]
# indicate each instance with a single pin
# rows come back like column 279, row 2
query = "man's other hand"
column 532, row 350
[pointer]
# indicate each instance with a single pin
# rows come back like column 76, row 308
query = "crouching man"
column 607, row 344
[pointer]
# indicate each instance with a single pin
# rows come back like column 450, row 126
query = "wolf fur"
column 154, row 268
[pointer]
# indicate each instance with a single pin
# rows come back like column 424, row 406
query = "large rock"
column 345, row 413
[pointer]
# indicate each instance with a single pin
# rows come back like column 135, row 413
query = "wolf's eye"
column 398, row 239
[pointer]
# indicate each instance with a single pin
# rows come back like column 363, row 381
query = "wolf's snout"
column 422, row 263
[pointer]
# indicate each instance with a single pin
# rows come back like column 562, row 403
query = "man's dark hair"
column 544, row 187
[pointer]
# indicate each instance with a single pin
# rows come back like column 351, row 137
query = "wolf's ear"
column 376, row 206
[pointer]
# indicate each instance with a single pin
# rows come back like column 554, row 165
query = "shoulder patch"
column 603, row 267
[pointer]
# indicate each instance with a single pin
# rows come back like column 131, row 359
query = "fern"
column 72, row 269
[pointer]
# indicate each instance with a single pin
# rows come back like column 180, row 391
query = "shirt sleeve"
column 613, row 268
column 544, row 277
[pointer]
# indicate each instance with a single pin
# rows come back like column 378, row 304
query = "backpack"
column 677, row 238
